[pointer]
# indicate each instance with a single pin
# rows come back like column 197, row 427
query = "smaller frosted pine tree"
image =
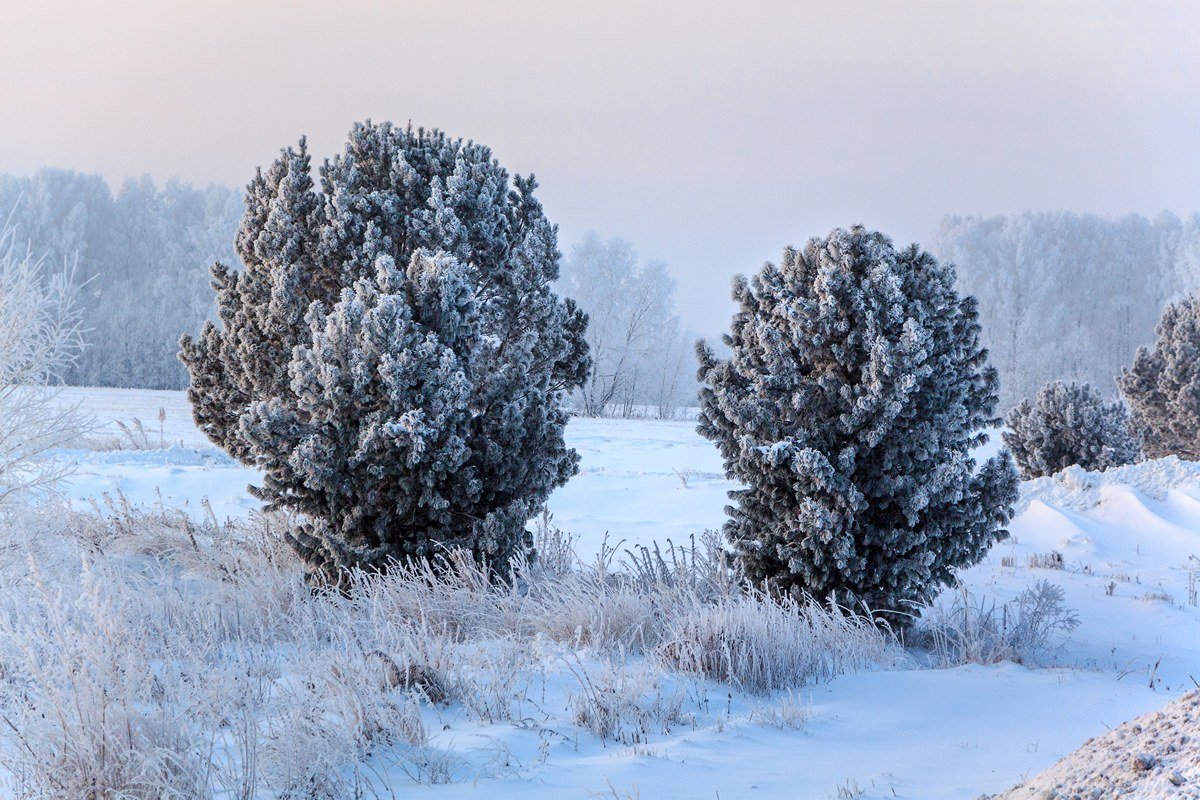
column 1068, row 424
column 1162, row 387
column 854, row 395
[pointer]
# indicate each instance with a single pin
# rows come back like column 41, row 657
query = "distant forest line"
column 1061, row 295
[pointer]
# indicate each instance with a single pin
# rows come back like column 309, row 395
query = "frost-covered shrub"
column 759, row 645
column 40, row 338
column 854, row 394
column 619, row 702
column 1069, row 424
column 82, row 700
column 971, row 630
column 392, row 357
column 1162, row 387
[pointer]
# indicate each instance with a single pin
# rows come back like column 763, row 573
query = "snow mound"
column 1154, row 756
column 1078, row 489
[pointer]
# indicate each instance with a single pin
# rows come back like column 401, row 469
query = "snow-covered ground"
column 639, row 480
column 1126, row 542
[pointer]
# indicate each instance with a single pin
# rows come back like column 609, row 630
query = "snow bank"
column 1154, row 756
column 1078, row 489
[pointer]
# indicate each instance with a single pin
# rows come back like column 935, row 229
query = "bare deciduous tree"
column 640, row 352
column 40, row 337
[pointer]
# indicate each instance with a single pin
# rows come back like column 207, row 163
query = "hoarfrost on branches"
column 40, row 337
column 393, row 357
column 1163, row 385
column 1069, row 424
column 854, row 394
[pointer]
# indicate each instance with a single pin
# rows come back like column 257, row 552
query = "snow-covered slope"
column 1125, row 544
column 1129, row 542
column 1154, row 756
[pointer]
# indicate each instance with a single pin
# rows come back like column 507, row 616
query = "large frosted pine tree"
column 854, row 394
column 392, row 356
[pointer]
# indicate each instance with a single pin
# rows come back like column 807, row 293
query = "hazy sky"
column 710, row 135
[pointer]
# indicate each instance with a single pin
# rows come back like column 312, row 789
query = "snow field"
column 599, row 688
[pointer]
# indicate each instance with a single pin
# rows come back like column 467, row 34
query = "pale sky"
column 710, row 135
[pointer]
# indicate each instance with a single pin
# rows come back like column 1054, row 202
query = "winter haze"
column 709, row 137
column 341, row 459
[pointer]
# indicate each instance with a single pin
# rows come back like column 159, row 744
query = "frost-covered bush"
column 970, row 630
column 40, row 338
column 1162, row 387
column 1069, row 424
column 759, row 645
column 623, row 703
column 854, row 394
column 392, row 357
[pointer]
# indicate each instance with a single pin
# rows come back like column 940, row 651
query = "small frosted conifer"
column 392, row 356
column 1162, row 387
column 1067, row 424
column 849, row 406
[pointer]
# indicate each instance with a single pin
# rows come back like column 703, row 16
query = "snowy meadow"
column 618, row 400
column 164, row 640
